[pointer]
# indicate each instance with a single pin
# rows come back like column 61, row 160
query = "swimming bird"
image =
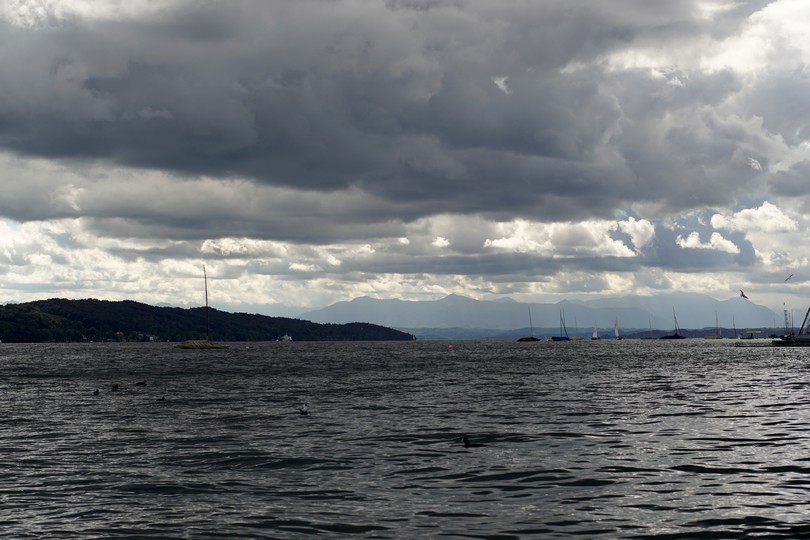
column 787, row 278
column 743, row 294
column 141, row 383
column 95, row 393
column 114, row 388
column 161, row 399
column 468, row 444
column 303, row 410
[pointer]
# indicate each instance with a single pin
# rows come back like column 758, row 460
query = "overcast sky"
column 312, row 151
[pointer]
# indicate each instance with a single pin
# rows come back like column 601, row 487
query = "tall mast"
column 205, row 277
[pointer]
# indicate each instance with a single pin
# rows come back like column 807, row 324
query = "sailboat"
column 719, row 334
column 677, row 334
column 616, row 329
column 563, row 330
column 531, row 327
column 595, row 334
column 802, row 339
column 202, row 343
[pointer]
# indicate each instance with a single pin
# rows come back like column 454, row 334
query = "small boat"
column 616, row 329
column 531, row 328
column 676, row 334
column 202, row 343
column 595, row 334
column 563, row 330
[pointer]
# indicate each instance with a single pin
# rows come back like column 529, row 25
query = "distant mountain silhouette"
column 634, row 312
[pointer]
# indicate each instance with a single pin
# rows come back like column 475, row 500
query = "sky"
column 311, row 151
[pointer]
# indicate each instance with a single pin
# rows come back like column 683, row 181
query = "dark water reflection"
column 630, row 439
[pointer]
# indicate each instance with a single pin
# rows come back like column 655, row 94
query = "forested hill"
column 101, row 320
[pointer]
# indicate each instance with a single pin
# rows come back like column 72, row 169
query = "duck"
column 114, row 388
column 141, row 383
column 95, row 392
column 468, row 444
column 303, row 410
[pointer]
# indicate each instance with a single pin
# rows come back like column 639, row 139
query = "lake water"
column 611, row 439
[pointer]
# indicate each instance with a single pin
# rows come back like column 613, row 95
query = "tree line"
column 102, row 320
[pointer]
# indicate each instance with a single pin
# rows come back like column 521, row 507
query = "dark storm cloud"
column 401, row 99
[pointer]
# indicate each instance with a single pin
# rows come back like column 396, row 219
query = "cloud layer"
column 315, row 151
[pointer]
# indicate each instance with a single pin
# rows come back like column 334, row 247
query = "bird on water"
column 468, row 444
column 304, row 410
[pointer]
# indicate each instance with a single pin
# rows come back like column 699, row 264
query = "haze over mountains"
column 634, row 312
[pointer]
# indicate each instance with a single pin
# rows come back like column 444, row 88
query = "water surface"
column 613, row 439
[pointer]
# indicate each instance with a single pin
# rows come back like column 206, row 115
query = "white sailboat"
column 595, row 334
column 616, row 329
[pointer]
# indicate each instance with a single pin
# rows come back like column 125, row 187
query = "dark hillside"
column 101, row 320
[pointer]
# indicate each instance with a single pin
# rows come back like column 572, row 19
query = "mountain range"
column 693, row 310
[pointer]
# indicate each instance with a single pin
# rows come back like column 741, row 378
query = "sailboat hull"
column 200, row 344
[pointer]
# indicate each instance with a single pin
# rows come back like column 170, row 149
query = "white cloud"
column 584, row 239
column 641, row 232
column 716, row 242
column 766, row 218
column 302, row 267
column 245, row 247
column 501, row 83
column 440, row 242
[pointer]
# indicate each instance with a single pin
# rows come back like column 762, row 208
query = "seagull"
column 303, row 410
column 743, row 294
column 788, row 278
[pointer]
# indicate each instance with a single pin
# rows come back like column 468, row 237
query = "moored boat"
column 676, row 334
column 532, row 337
column 202, row 343
column 802, row 339
column 563, row 330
